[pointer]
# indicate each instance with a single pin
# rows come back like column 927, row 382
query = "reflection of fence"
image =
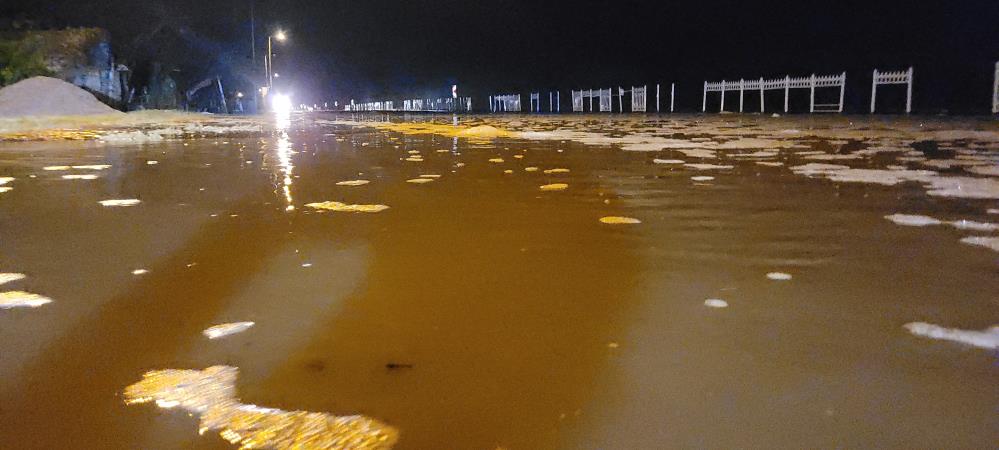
column 995, row 91
column 899, row 77
column 787, row 83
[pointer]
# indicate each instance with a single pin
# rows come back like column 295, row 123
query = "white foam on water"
column 983, row 241
column 715, row 303
column 120, row 202
column 21, row 299
column 226, row 329
column 707, row 166
column 913, row 220
column 974, row 226
column 779, row 276
column 11, row 277
column 987, row 338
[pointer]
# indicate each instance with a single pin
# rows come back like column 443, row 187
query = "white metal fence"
column 787, row 83
column 995, row 91
column 898, row 77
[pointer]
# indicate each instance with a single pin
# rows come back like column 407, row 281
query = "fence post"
column 787, row 86
column 761, row 94
column 874, row 89
column 908, row 93
column 740, row 94
column 672, row 90
column 704, row 101
column 558, row 103
column 811, row 95
column 723, row 97
column 657, row 96
column 842, row 90
column 620, row 98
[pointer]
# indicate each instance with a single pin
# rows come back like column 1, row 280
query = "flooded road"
column 750, row 292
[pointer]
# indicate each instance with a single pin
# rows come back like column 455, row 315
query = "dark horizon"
column 376, row 50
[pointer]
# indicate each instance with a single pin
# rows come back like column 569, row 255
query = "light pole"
column 268, row 61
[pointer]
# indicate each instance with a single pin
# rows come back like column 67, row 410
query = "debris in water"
column 557, row 170
column 225, row 329
column 10, row 277
column 419, row 180
column 913, row 220
column 352, row 183
column 983, row 241
column 21, row 299
column 396, row 366
column 120, row 202
column 343, row 207
column 211, row 394
column 79, row 177
column 715, row 303
column 988, row 338
column 554, row 187
column 707, row 166
column 779, row 276
column 619, row 220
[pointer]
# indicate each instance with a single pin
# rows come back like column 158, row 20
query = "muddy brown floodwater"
column 513, row 282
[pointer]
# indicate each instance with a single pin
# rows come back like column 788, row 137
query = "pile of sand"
column 45, row 96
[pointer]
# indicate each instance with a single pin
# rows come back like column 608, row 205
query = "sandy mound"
column 44, row 96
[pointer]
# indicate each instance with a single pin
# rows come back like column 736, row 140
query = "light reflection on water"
column 284, row 152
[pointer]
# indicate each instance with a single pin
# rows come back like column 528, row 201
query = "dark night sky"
column 373, row 48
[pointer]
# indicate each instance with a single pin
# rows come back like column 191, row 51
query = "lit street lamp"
column 268, row 60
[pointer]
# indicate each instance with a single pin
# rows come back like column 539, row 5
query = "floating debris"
column 496, row 160
column 140, row 272
column 120, row 202
column 554, row 187
column 419, row 180
column 21, row 299
column 702, row 178
column 668, row 161
column 715, row 303
column 352, row 183
column 983, row 241
column 11, row 277
column 913, row 220
column 987, row 338
column 211, row 394
column 79, row 177
column 974, row 226
column 779, row 276
column 619, row 220
column 343, row 207
column 225, row 329
column 556, row 170
column 707, row 166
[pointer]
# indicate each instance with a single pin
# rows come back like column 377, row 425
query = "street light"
column 268, row 62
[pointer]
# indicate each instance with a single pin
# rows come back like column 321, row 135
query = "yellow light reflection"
column 283, row 122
